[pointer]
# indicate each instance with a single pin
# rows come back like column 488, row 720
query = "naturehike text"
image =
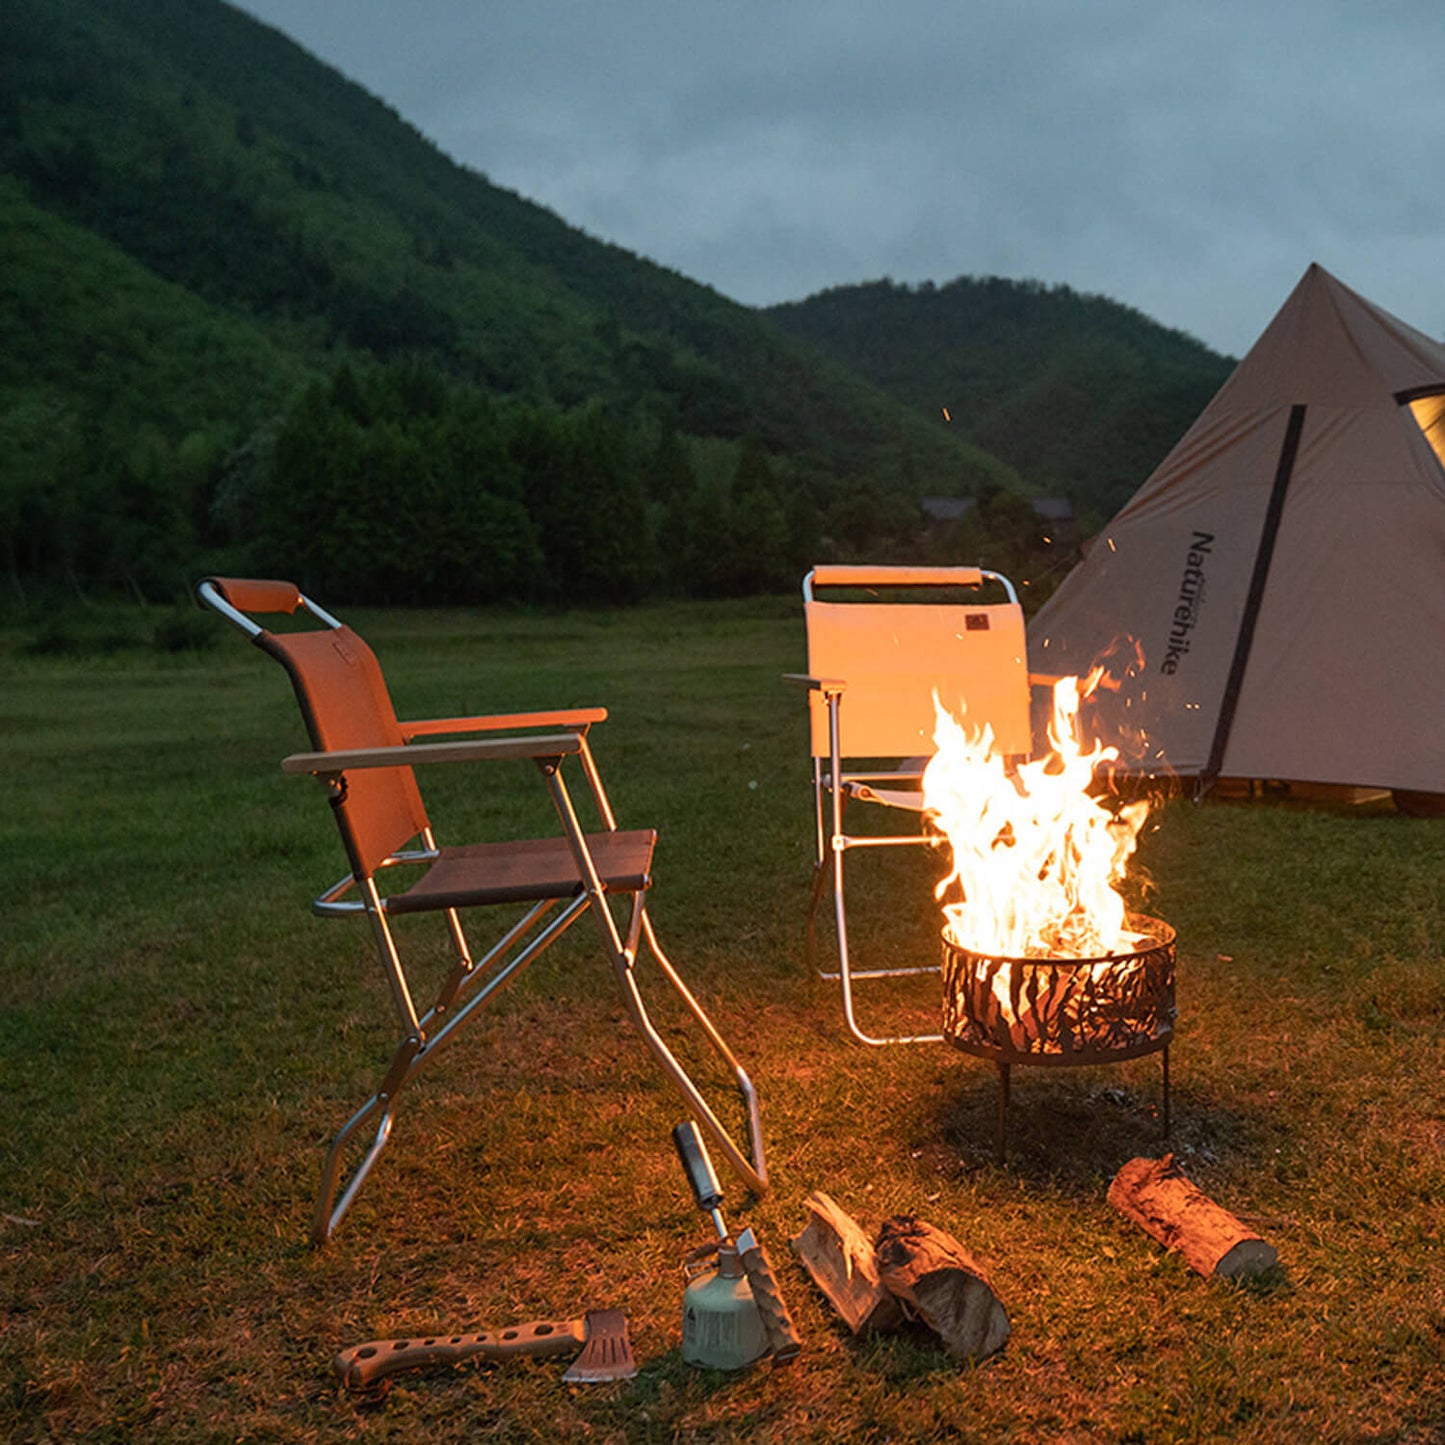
column 1191, row 597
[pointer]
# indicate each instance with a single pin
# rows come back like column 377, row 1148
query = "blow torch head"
column 687, row 1140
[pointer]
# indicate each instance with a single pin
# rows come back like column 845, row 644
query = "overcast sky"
column 1187, row 159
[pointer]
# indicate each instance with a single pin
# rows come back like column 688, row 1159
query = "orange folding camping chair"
column 881, row 645
column 366, row 758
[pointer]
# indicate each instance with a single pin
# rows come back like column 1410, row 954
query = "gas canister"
column 721, row 1327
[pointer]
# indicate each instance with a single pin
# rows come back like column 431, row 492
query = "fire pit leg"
column 1003, row 1082
column 1164, row 1056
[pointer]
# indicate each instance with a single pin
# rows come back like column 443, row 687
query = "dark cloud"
column 1187, row 159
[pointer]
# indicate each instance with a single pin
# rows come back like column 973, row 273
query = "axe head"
column 607, row 1354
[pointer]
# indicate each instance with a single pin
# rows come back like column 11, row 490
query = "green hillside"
column 121, row 396
column 248, row 305
column 1083, row 396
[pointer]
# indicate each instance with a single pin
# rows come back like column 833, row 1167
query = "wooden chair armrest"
column 340, row 760
column 577, row 717
column 816, row 684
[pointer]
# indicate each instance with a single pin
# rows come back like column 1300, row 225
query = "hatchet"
column 601, row 1336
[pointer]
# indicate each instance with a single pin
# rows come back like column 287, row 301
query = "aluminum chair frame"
column 898, row 786
column 535, row 872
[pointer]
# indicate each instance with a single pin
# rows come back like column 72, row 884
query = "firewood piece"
column 933, row 1274
column 1155, row 1194
column 839, row 1256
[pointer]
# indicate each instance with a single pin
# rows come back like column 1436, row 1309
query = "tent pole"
column 1274, row 513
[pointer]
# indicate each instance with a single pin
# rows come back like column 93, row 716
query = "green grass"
column 179, row 1038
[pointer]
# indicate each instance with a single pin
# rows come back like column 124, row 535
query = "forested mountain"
column 248, row 309
column 1083, row 396
column 253, row 319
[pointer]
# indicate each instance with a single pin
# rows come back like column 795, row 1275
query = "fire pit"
column 1062, row 1011
column 1042, row 961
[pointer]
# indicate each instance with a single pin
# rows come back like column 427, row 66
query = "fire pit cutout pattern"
column 1062, row 1011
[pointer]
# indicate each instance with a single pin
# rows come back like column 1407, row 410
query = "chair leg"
column 328, row 1214
column 417, row 1049
column 466, row 990
column 845, row 972
column 833, row 842
column 751, row 1166
column 820, row 884
column 622, row 952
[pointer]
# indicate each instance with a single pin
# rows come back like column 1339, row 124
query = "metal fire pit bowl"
column 1062, row 1011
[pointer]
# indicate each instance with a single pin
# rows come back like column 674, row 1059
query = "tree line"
column 396, row 484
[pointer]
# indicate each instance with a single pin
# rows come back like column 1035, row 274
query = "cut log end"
column 1248, row 1257
column 965, row 1312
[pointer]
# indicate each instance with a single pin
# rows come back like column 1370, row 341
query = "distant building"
column 947, row 509
column 1057, row 512
column 1058, row 515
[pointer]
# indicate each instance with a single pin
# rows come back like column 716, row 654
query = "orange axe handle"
column 363, row 1367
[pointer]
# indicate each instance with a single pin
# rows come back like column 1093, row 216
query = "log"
column 1155, row 1194
column 943, row 1284
column 839, row 1256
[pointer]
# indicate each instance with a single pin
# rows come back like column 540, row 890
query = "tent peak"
column 1329, row 346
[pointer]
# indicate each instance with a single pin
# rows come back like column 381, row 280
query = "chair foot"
column 412, row 1053
column 329, row 1214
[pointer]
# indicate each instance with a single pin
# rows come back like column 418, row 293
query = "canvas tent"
column 1282, row 572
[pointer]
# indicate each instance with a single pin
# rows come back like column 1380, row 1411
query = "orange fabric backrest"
column 344, row 700
column 894, row 656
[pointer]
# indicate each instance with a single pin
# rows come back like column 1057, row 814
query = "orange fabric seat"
column 476, row 874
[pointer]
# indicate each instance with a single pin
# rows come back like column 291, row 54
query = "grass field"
column 179, row 1038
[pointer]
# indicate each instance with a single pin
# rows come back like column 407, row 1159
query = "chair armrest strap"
column 539, row 745
column 845, row 575
column 577, row 717
column 255, row 594
column 816, row 684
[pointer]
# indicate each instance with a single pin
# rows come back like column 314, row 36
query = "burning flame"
column 1036, row 857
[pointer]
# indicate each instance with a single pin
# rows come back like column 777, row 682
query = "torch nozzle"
column 687, row 1140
